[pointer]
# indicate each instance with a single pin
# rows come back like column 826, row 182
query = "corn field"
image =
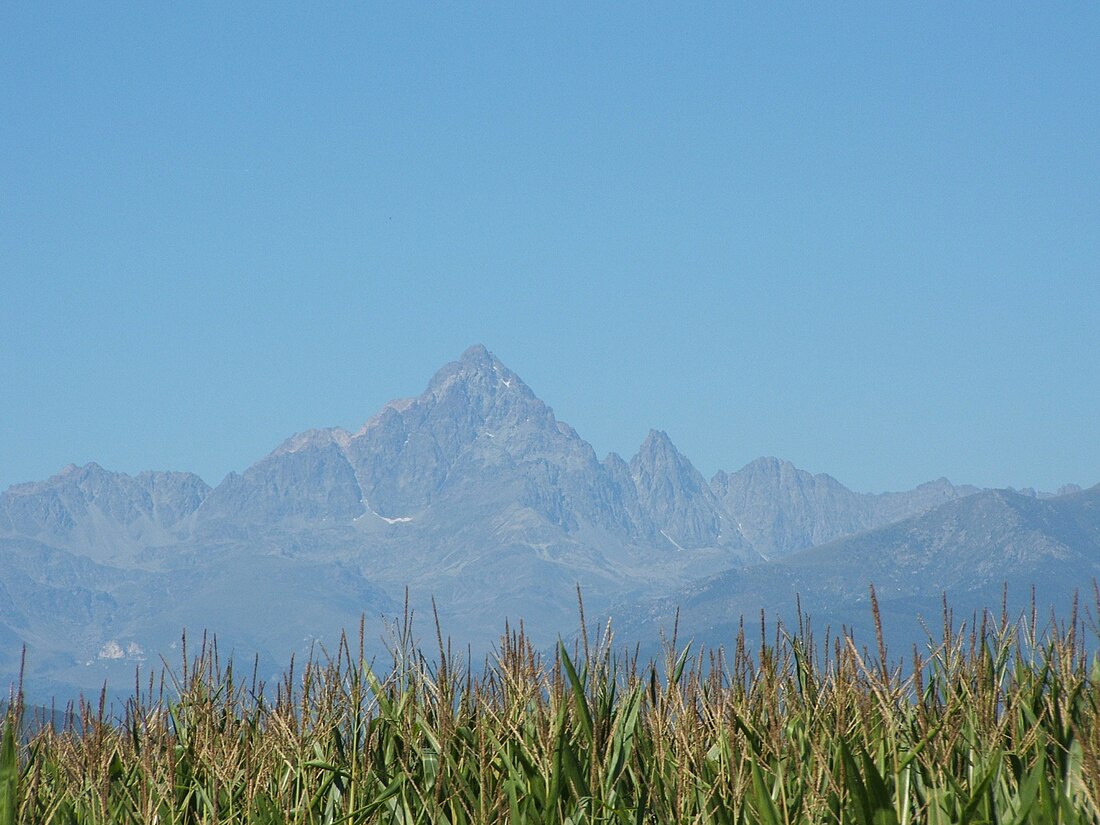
column 997, row 723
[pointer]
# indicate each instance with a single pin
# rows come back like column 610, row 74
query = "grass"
column 998, row 723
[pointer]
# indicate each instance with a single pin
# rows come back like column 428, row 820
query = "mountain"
column 967, row 549
column 102, row 512
column 681, row 506
column 780, row 508
column 472, row 495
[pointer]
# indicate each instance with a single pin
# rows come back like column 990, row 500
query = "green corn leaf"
column 575, row 773
column 579, row 697
column 623, row 738
column 763, row 803
column 678, row 671
column 555, row 794
column 9, row 773
column 879, row 797
column 917, row 749
column 859, row 796
column 979, row 793
column 1026, row 796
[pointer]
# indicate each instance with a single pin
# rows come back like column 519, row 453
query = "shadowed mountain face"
column 472, row 493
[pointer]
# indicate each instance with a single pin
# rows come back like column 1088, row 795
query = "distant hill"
column 472, row 493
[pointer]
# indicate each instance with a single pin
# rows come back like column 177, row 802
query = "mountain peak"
column 659, row 456
column 657, row 441
column 476, row 353
column 91, row 468
column 684, row 509
column 478, row 370
column 314, row 438
column 766, row 464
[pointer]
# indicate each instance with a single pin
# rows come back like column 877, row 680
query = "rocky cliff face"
column 476, row 425
column 780, row 508
column 104, row 514
column 307, row 479
column 676, row 500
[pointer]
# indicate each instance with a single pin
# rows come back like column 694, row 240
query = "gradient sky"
column 864, row 239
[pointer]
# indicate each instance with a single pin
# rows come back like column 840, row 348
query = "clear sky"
column 863, row 239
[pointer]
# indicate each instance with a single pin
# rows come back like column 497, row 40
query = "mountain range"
column 475, row 495
column 996, row 550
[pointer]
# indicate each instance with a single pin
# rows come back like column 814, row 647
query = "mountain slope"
column 103, row 514
column 966, row 549
column 780, row 508
column 681, row 506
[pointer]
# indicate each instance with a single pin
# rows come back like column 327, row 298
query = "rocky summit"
column 473, row 496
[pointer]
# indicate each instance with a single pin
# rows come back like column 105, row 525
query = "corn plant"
column 998, row 723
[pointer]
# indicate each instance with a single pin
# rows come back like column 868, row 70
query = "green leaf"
column 579, row 698
column 762, row 800
column 882, row 802
column 980, row 791
column 871, row 799
column 9, row 774
column 1026, row 796
column 678, row 671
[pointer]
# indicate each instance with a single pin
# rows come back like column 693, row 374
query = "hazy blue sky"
column 864, row 239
